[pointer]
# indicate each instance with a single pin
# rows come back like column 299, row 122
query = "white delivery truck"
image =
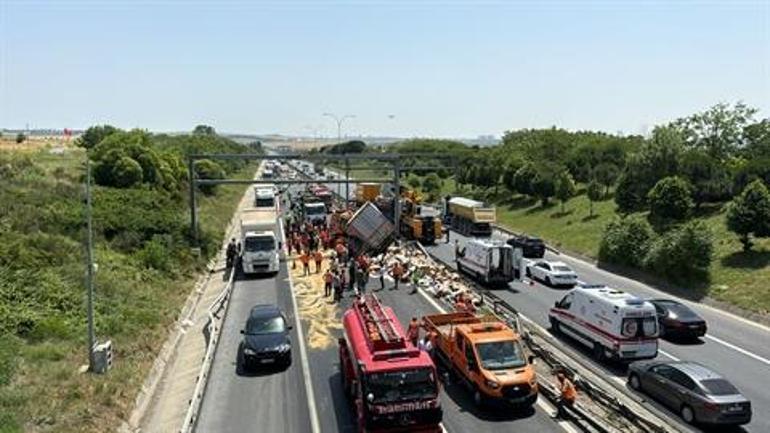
column 613, row 323
column 260, row 245
column 488, row 261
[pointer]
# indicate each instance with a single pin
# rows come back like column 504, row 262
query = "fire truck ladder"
column 371, row 310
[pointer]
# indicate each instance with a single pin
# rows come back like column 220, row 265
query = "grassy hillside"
column 145, row 272
column 736, row 277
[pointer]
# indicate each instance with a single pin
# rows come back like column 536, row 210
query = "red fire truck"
column 392, row 385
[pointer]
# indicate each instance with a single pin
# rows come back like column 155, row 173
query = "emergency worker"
column 567, row 394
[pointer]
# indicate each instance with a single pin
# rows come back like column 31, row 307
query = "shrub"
column 21, row 138
column 682, row 253
column 625, row 241
column 155, row 254
column 94, row 135
column 670, row 199
column 749, row 213
column 126, row 173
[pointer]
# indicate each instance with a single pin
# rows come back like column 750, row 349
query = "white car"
column 552, row 273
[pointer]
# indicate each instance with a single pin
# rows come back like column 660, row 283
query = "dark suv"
column 532, row 247
column 266, row 337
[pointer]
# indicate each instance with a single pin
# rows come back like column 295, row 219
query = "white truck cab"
column 260, row 244
column 314, row 212
column 613, row 323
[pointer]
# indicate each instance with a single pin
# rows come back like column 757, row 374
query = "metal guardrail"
column 191, row 417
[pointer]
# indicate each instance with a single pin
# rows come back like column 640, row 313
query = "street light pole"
column 90, row 269
column 339, row 121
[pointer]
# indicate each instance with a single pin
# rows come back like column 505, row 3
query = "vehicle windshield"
column 265, row 202
column 562, row 269
column 259, row 243
column 265, row 325
column 315, row 210
column 501, row 355
column 403, row 385
column 680, row 310
column 718, row 387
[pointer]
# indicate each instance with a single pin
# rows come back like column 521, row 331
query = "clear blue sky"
column 442, row 68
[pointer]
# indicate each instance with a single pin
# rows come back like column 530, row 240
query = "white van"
column 613, row 323
column 488, row 261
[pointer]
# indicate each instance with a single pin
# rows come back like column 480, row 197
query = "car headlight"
column 283, row 347
column 492, row 384
column 248, row 351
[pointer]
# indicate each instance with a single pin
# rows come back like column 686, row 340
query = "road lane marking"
column 550, row 409
column 315, row 425
column 664, row 353
column 739, row 349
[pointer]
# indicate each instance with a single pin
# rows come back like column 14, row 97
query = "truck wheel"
column 598, row 351
column 478, row 399
column 528, row 273
column 554, row 325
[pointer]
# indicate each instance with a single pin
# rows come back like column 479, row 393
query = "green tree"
column 94, row 135
column 625, row 241
column 606, row 173
column 709, row 177
column 413, row 181
column 208, row 169
column 719, row 130
column 21, row 138
column 431, row 184
column 523, row 179
column 749, row 214
column 204, row 130
column 126, row 172
column 757, row 136
column 544, row 185
column 659, row 157
column 670, row 199
column 565, row 187
column 594, row 193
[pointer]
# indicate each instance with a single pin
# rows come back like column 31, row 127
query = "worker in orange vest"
column 397, row 272
column 305, row 259
column 413, row 331
column 567, row 394
column 328, row 278
column 319, row 257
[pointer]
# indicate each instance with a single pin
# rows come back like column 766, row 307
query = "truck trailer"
column 471, row 217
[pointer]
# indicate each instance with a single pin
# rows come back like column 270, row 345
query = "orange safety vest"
column 568, row 392
column 305, row 259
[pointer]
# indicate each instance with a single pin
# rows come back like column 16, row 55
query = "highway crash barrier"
column 213, row 329
column 603, row 410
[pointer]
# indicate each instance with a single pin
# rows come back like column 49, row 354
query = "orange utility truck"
column 487, row 355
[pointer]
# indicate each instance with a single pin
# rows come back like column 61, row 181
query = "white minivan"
column 614, row 324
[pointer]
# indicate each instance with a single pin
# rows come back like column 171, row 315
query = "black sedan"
column 678, row 320
column 699, row 395
column 532, row 247
column 266, row 337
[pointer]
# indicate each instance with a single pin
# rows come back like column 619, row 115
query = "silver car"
column 698, row 394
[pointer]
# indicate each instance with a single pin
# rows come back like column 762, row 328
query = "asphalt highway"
column 735, row 347
column 268, row 400
column 745, row 364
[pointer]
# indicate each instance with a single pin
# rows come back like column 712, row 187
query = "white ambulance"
column 614, row 324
